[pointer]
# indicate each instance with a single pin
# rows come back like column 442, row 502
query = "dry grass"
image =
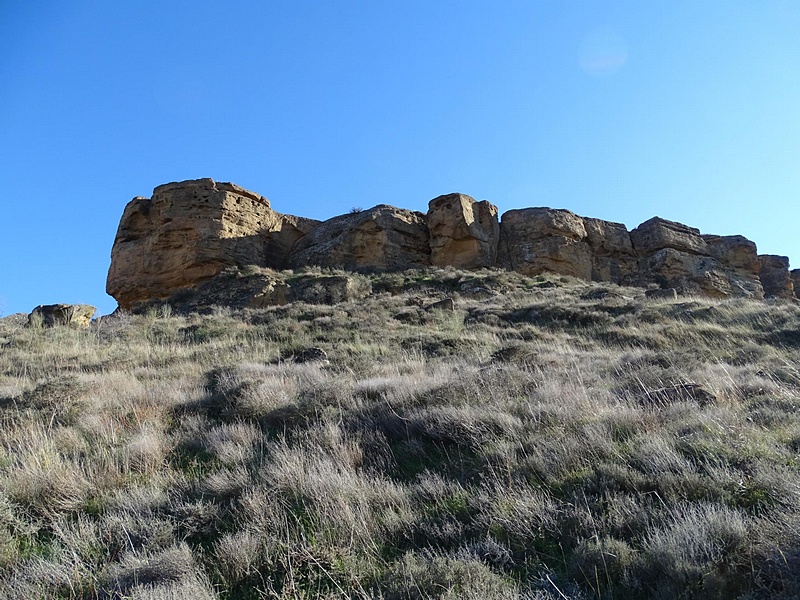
column 547, row 439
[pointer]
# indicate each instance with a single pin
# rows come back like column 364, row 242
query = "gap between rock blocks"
column 189, row 233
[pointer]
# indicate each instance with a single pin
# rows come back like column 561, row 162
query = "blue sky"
column 618, row 110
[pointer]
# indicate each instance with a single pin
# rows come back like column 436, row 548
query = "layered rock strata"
column 179, row 242
column 463, row 233
column 544, row 240
column 795, row 276
column 383, row 237
column 188, row 232
column 674, row 255
column 775, row 276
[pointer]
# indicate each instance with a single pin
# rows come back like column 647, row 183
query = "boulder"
column 538, row 240
column 328, row 289
column 448, row 304
column 463, row 233
column 383, row 237
column 190, row 231
column 308, row 355
column 72, row 315
column 656, row 234
column 613, row 256
column 774, row 274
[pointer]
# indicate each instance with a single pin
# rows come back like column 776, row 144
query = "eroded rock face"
column 463, row 233
column 538, row 240
column 656, row 234
column 674, row 255
column 190, row 231
column 735, row 251
column 383, row 237
column 72, row 315
column 613, row 257
column 179, row 242
column 696, row 274
column 795, row 276
column 775, row 276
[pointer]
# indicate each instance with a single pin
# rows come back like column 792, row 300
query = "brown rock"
column 657, row 233
column 383, row 237
column 463, row 233
column 613, row 256
column 448, row 304
column 795, row 276
column 190, row 231
column 734, row 251
column 72, row 315
column 775, row 278
column 330, row 289
column 308, row 355
column 694, row 274
column 538, row 240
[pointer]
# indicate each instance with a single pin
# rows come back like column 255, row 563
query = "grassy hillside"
column 547, row 439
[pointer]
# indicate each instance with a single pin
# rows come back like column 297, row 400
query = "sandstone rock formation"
column 463, row 233
column 613, row 256
column 775, row 276
column 190, row 231
column 539, row 240
column 695, row 274
column 383, row 237
column 735, row 251
column 676, row 256
column 656, row 234
column 72, row 315
column 180, row 246
column 795, row 276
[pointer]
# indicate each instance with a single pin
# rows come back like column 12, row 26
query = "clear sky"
column 619, row 110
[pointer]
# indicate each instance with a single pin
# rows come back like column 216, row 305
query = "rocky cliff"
column 189, row 232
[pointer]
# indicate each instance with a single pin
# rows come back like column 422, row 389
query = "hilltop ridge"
column 190, row 232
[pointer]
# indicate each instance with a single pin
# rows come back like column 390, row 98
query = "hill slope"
column 548, row 438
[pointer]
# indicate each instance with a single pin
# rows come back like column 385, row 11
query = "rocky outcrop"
column 190, row 231
column 735, row 251
column 383, row 237
column 674, row 255
column 696, row 274
column 656, row 234
column 463, row 233
column 795, row 276
column 544, row 240
column 774, row 275
column 181, row 241
column 72, row 315
column 256, row 288
column 613, row 257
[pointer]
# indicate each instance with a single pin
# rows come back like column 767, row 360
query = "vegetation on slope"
column 547, row 439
